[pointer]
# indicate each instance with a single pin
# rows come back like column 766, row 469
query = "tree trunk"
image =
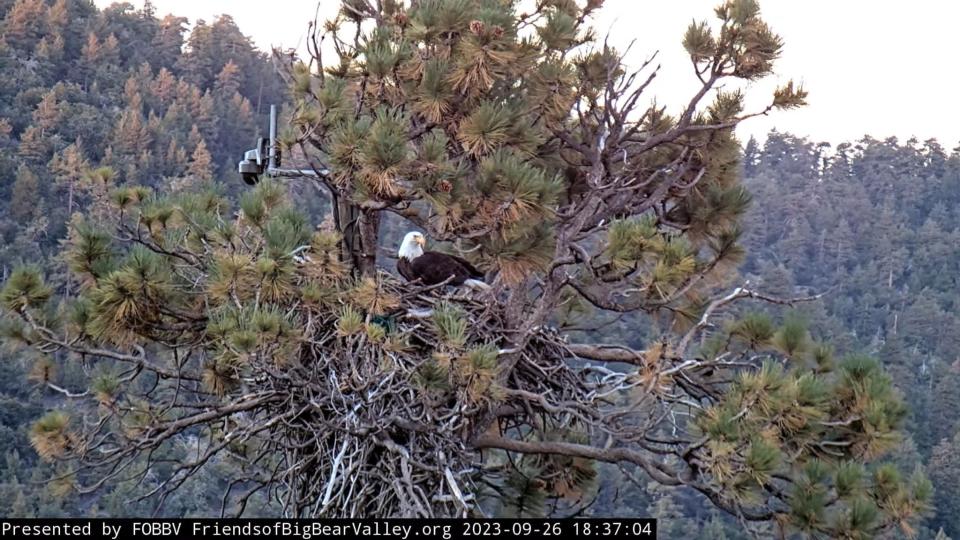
column 348, row 217
column 360, row 229
column 369, row 236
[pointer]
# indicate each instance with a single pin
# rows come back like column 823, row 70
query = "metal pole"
column 252, row 164
column 272, row 163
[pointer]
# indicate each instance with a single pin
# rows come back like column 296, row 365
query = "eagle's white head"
column 412, row 245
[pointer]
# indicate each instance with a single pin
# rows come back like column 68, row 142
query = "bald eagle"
column 432, row 267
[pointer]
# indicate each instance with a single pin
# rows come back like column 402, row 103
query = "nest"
column 376, row 416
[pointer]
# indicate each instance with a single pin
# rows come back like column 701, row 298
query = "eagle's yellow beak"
column 421, row 240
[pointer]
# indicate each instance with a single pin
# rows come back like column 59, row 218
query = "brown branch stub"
column 606, row 353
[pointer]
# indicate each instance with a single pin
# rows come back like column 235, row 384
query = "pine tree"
column 25, row 24
column 205, row 117
column 168, row 42
column 235, row 116
column 34, row 147
column 90, row 54
column 714, row 529
column 49, row 54
column 201, row 164
column 175, row 159
column 68, row 169
column 131, row 135
column 947, row 403
column 751, row 157
column 840, row 245
column 194, row 138
column 228, row 80
column 46, row 116
column 58, row 16
column 24, row 201
column 945, row 473
column 164, row 87
column 671, row 522
column 20, row 507
column 796, row 241
column 924, row 319
column 109, row 52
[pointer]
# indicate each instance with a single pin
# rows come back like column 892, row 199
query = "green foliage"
column 784, row 406
column 755, row 329
column 792, row 338
column 524, row 495
column 486, row 129
column 476, row 371
column 384, row 152
column 722, row 206
column 862, row 516
column 788, row 97
column 451, row 323
column 350, row 321
column 130, row 296
column 630, row 240
column 665, row 260
column 559, row 31
column 25, row 195
column 433, row 377
column 50, row 434
column 286, row 232
column 105, row 387
column 849, row 479
column 944, row 469
column 25, row 289
column 699, row 41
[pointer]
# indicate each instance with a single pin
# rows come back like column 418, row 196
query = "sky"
column 878, row 67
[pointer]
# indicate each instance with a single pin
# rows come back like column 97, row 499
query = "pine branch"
column 737, row 294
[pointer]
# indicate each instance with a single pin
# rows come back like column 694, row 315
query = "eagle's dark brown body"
column 432, row 267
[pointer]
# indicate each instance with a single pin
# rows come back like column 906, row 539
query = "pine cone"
column 445, row 186
column 476, row 27
column 401, row 18
column 497, row 32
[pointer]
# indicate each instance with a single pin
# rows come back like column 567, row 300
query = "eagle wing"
column 474, row 273
column 433, row 267
column 405, row 267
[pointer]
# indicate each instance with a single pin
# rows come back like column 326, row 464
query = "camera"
column 265, row 159
column 254, row 162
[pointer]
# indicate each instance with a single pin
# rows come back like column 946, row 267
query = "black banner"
column 324, row 529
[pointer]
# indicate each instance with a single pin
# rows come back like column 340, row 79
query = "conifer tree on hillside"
column 533, row 150
column 945, row 471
